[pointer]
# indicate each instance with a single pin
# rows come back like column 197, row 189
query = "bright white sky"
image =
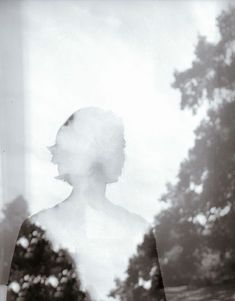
column 120, row 56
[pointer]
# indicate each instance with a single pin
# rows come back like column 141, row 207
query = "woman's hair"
column 90, row 138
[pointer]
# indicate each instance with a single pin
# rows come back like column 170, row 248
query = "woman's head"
column 90, row 142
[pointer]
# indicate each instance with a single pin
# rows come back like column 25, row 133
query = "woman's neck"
column 88, row 190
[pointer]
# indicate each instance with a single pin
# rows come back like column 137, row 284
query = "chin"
column 64, row 177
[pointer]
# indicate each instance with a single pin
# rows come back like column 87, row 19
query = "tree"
column 39, row 273
column 196, row 234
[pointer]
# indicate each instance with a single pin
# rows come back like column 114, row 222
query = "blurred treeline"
column 14, row 214
column 196, row 233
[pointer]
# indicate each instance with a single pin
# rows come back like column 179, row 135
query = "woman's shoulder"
column 45, row 221
column 29, row 225
column 44, row 218
column 129, row 220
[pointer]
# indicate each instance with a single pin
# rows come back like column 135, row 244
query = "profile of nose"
column 51, row 149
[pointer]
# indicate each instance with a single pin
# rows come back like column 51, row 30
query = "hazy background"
column 59, row 56
column 115, row 55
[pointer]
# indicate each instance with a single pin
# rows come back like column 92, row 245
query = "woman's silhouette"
column 100, row 237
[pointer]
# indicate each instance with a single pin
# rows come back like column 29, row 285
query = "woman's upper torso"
column 98, row 246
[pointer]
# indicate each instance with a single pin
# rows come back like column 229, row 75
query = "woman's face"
column 59, row 157
column 70, row 164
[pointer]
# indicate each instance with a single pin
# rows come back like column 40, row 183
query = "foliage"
column 40, row 273
column 144, row 279
column 212, row 74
